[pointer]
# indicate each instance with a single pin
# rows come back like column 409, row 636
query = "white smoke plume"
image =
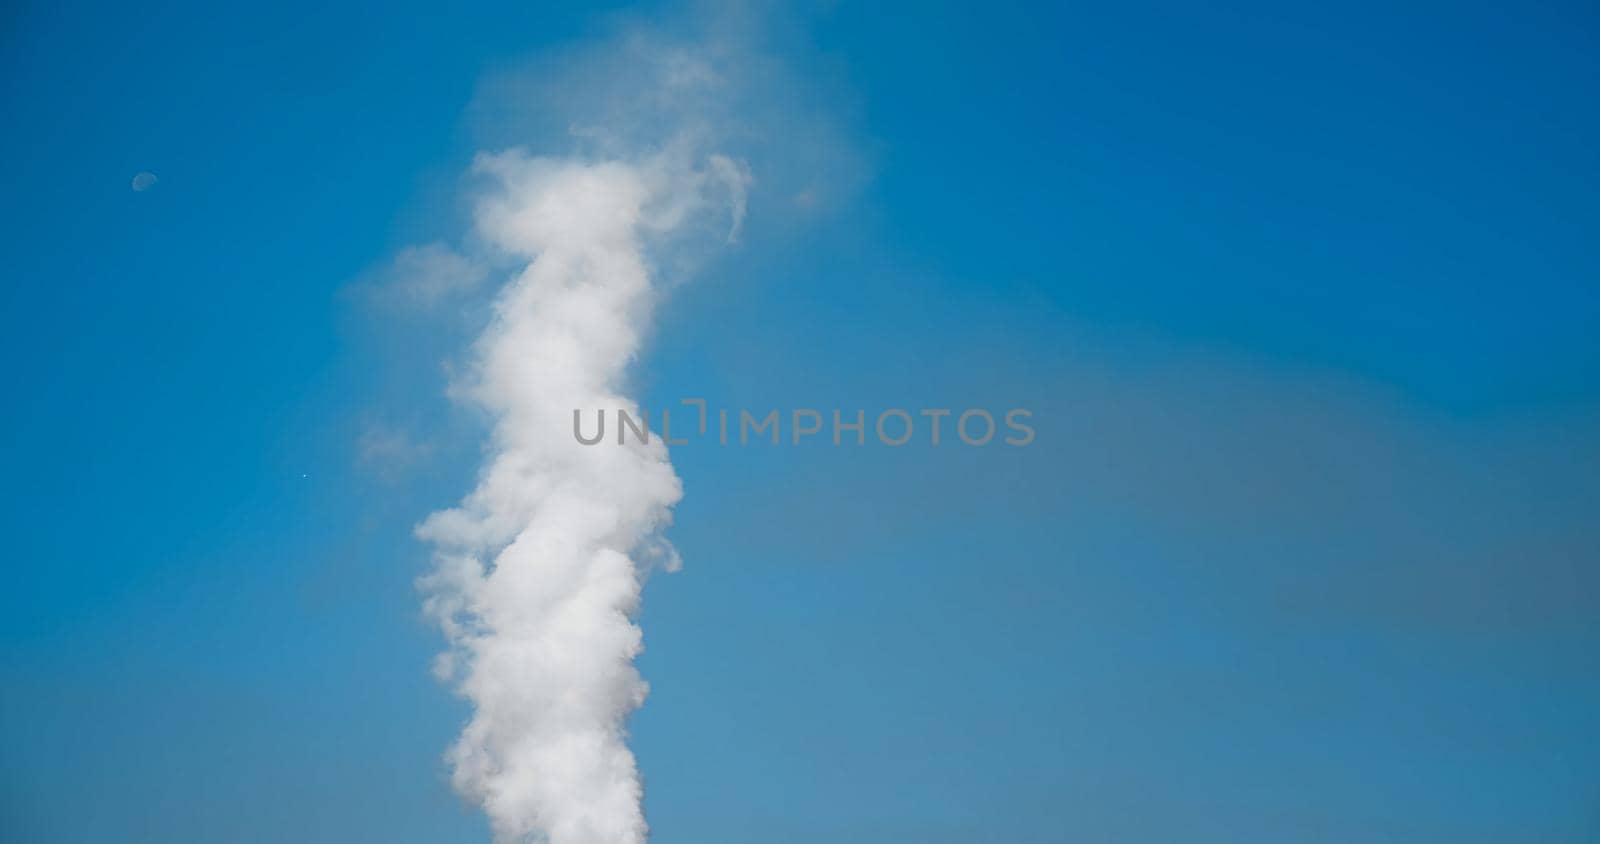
column 538, row 570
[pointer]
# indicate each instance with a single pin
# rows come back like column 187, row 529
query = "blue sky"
column 1303, row 301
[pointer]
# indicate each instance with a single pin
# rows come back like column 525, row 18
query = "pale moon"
column 144, row 181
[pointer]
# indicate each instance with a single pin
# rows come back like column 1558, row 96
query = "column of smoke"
column 538, row 570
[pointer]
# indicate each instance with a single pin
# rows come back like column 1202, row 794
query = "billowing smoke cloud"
column 538, row 570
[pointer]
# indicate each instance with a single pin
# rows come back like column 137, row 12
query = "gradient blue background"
column 1304, row 300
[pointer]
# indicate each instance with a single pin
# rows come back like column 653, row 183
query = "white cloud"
column 538, row 570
